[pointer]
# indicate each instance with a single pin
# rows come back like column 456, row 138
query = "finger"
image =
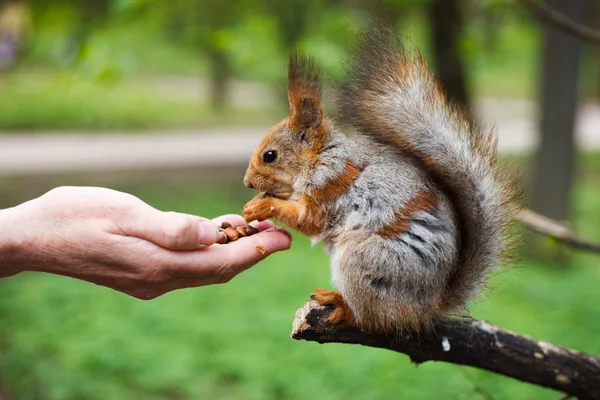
column 236, row 220
column 173, row 231
column 218, row 264
column 246, row 252
column 263, row 225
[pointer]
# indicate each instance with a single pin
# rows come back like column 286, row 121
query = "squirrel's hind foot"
column 341, row 314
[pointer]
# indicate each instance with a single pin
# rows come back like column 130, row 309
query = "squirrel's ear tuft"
column 304, row 91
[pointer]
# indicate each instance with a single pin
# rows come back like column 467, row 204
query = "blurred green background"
column 139, row 64
column 100, row 67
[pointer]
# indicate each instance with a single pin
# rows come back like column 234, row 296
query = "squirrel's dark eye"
column 270, row 156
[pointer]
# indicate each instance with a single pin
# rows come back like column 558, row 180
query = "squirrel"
column 414, row 213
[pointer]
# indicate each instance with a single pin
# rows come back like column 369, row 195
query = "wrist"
column 10, row 243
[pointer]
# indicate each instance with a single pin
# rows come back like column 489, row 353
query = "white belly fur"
column 335, row 256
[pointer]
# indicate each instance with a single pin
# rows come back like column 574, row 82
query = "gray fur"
column 375, row 274
column 413, row 141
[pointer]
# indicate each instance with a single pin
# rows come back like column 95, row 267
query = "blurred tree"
column 387, row 12
column 207, row 24
column 293, row 19
column 92, row 15
column 85, row 17
column 446, row 24
column 553, row 169
column 490, row 12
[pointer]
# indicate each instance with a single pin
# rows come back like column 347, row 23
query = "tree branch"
column 556, row 230
column 469, row 342
column 561, row 21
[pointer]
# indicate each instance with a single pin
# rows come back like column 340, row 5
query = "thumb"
column 174, row 231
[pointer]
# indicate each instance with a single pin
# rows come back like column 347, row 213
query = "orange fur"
column 305, row 130
column 304, row 93
column 277, row 178
column 341, row 312
column 304, row 215
column 423, row 201
column 337, row 185
column 376, row 102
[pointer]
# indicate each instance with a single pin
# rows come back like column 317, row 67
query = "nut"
column 222, row 238
column 232, row 234
column 228, row 233
column 242, row 231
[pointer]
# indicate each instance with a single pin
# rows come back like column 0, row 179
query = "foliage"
column 254, row 35
column 60, row 101
column 144, row 41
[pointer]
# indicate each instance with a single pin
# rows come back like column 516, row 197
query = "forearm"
column 10, row 243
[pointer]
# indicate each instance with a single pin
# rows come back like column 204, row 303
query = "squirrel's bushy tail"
column 392, row 97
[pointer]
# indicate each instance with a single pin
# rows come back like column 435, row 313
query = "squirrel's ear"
column 304, row 92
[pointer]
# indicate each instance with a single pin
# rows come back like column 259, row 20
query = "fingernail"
column 284, row 231
column 207, row 232
column 263, row 225
column 280, row 229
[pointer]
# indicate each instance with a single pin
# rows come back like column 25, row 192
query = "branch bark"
column 446, row 21
column 469, row 342
column 558, row 19
column 554, row 229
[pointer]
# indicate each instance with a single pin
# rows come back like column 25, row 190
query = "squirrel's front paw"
column 259, row 209
column 341, row 312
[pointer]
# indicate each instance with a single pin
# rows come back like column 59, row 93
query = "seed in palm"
column 228, row 233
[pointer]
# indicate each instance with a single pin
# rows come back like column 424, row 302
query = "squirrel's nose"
column 248, row 183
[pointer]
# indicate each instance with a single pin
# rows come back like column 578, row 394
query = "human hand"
column 116, row 240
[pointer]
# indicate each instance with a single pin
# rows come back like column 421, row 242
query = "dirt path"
column 42, row 153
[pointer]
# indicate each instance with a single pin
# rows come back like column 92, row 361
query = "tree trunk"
column 553, row 169
column 91, row 15
column 446, row 23
column 219, row 65
column 388, row 13
column 292, row 21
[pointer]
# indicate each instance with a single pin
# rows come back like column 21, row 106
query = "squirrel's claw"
column 259, row 209
column 341, row 310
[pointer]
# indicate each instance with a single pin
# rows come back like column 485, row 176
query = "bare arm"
column 9, row 244
column 116, row 240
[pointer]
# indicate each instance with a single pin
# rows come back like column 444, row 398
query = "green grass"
column 65, row 339
column 57, row 100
